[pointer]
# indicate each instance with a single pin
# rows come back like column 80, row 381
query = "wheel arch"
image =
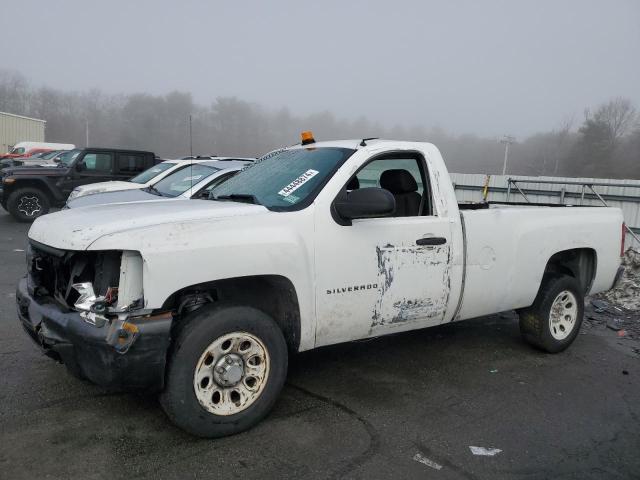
column 275, row 295
column 33, row 183
column 580, row 263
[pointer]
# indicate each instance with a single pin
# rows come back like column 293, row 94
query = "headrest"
column 398, row 181
column 353, row 184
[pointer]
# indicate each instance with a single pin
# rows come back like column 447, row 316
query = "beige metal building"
column 16, row 128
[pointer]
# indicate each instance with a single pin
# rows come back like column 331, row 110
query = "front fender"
column 179, row 255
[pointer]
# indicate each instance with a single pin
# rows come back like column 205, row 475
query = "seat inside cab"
column 403, row 176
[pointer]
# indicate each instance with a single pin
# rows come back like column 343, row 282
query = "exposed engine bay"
column 98, row 284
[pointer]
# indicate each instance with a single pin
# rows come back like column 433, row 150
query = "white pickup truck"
column 315, row 244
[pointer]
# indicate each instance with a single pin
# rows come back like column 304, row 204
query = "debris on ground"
column 601, row 315
column 627, row 293
column 619, row 308
column 488, row 452
column 599, row 305
column 418, row 457
column 614, row 324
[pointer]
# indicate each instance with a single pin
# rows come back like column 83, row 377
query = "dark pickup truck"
column 29, row 192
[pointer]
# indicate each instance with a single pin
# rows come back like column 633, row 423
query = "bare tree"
column 561, row 137
column 619, row 115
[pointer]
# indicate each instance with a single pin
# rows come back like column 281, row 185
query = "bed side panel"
column 508, row 249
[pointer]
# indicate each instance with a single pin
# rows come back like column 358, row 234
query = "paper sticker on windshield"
column 192, row 178
column 298, row 182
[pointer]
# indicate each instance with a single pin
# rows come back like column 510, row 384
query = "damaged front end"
column 86, row 309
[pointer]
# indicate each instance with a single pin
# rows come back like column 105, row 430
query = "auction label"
column 298, row 182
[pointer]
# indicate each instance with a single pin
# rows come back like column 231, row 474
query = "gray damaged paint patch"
column 385, row 266
column 415, row 309
column 385, row 279
column 389, row 259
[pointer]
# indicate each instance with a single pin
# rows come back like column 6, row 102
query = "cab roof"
column 355, row 144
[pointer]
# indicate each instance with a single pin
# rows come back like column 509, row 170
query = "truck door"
column 92, row 168
column 381, row 275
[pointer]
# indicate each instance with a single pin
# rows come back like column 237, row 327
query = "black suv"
column 28, row 192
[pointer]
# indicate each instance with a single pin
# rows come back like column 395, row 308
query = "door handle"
column 431, row 241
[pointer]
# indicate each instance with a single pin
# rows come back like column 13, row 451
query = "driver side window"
column 98, row 162
column 403, row 176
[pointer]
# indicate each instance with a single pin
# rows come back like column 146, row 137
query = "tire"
column 27, row 204
column 553, row 321
column 211, row 408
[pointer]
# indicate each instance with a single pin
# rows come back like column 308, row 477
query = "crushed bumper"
column 96, row 352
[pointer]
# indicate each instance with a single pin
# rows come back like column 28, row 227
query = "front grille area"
column 54, row 271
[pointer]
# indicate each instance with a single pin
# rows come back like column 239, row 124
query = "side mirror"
column 365, row 203
column 80, row 166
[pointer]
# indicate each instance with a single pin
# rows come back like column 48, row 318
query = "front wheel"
column 226, row 370
column 553, row 321
column 27, row 204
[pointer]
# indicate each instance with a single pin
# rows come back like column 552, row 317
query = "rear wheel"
column 27, row 204
column 553, row 321
column 226, row 370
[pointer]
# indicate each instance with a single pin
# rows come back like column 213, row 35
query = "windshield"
column 284, row 179
column 48, row 155
column 67, row 158
column 179, row 182
column 17, row 151
column 152, row 172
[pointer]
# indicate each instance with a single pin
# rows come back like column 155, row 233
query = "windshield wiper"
column 155, row 191
column 238, row 197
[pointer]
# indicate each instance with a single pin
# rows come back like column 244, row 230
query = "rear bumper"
column 99, row 354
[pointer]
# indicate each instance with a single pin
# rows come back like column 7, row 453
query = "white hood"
column 115, row 185
column 77, row 229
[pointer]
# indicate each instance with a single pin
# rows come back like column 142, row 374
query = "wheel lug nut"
column 229, row 360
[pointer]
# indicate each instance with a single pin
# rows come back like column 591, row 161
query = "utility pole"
column 190, row 138
column 507, row 140
column 86, row 132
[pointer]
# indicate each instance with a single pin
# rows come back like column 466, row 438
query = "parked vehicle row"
column 203, row 299
column 29, row 149
column 29, row 192
column 185, row 180
column 40, row 158
column 151, row 176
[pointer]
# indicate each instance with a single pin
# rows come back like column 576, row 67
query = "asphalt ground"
column 403, row 406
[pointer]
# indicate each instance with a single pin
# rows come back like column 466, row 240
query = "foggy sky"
column 484, row 67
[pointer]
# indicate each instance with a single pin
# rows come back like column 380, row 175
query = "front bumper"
column 97, row 353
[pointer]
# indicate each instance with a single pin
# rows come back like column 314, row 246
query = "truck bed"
column 508, row 246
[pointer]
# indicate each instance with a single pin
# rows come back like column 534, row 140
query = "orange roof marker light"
column 307, row 138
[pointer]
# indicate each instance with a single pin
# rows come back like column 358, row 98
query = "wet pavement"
column 404, row 406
